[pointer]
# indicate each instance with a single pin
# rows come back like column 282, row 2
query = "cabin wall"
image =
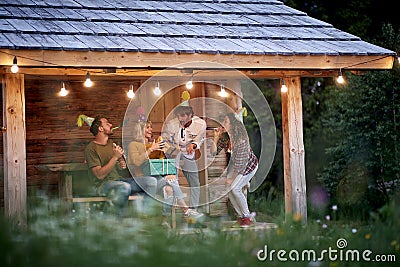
column 52, row 134
column 51, row 129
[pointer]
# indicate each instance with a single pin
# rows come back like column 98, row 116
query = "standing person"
column 185, row 133
column 243, row 165
column 107, row 167
column 143, row 148
column 221, row 142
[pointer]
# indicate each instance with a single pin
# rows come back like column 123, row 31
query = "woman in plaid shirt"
column 243, row 165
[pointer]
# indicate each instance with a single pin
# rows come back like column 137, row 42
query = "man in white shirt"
column 186, row 133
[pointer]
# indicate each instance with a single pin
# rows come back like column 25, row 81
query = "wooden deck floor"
column 226, row 226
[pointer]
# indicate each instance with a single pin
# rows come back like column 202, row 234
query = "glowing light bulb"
column 63, row 91
column 223, row 93
column 157, row 90
column 130, row 93
column 189, row 84
column 284, row 88
column 14, row 68
column 340, row 79
column 88, row 82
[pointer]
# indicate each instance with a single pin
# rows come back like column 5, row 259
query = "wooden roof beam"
column 134, row 60
column 140, row 74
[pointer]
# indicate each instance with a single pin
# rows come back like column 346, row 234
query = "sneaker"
column 253, row 216
column 165, row 222
column 166, row 225
column 192, row 216
column 237, row 223
column 246, row 222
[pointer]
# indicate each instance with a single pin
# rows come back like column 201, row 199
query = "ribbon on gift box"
column 154, row 167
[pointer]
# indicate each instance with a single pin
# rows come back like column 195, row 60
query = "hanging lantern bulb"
column 131, row 93
column 88, row 82
column 223, row 93
column 189, row 84
column 14, row 68
column 157, row 90
column 63, row 91
column 284, row 88
column 340, row 79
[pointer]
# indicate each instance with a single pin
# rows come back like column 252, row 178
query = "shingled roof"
column 263, row 31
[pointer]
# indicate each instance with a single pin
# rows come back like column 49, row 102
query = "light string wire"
column 85, row 70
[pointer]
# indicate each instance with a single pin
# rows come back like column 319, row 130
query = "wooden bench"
column 66, row 172
column 92, row 199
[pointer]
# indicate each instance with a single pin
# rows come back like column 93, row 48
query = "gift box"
column 160, row 167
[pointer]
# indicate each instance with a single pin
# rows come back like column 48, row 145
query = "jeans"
column 119, row 190
column 191, row 172
column 168, row 200
column 236, row 195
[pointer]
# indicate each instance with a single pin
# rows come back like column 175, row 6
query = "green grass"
column 53, row 239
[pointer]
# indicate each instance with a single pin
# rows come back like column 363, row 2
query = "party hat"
column 141, row 117
column 185, row 98
column 242, row 112
column 82, row 119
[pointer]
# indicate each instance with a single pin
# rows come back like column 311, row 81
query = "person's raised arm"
column 199, row 139
column 102, row 171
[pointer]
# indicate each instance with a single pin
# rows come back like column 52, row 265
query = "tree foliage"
column 361, row 122
column 351, row 132
column 361, row 18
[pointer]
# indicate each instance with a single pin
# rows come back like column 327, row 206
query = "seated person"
column 107, row 168
column 142, row 149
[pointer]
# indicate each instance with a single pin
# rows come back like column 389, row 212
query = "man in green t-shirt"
column 107, row 168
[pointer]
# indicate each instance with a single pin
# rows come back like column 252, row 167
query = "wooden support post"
column 295, row 145
column 14, row 147
column 202, row 161
column 235, row 100
column 287, row 179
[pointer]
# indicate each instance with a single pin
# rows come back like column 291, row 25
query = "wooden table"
column 65, row 171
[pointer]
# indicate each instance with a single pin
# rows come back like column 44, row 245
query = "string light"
column 63, row 91
column 88, row 82
column 131, row 93
column 223, row 93
column 340, row 79
column 284, row 88
column 189, row 84
column 14, row 68
column 157, row 90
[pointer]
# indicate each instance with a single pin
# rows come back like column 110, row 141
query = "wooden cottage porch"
column 121, row 44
